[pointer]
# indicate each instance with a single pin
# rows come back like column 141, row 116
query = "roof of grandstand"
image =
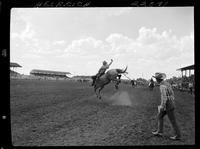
column 14, row 65
column 37, row 71
column 191, row 67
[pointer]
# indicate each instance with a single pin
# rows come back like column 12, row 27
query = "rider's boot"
column 96, row 79
column 93, row 81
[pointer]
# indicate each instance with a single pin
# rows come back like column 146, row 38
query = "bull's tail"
column 125, row 69
column 122, row 71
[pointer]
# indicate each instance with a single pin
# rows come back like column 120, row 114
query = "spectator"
column 191, row 87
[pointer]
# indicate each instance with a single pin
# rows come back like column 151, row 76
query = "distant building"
column 49, row 73
column 13, row 72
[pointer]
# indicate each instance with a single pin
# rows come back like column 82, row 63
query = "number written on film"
column 62, row 4
column 144, row 3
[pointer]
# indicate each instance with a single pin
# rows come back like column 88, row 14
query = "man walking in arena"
column 167, row 107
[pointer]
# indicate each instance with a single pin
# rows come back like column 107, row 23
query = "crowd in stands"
column 183, row 83
column 14, row 74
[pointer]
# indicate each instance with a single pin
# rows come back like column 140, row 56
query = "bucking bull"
column 110, row 75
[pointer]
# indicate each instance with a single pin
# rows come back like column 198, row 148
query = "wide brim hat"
column 160, row 75
column 104, row 62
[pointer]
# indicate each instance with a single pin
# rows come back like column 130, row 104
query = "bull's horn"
column 125, row 69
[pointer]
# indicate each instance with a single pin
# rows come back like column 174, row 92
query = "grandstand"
column 13, row 73
column 13, row 65
column 185, row 69
column 186, row 79
column 47, row 74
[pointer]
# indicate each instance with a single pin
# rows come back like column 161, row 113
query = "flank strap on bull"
column 126, row 76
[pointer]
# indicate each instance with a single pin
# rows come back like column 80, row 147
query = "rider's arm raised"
column 110, row 62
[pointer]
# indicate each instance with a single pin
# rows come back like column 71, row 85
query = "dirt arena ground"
column 61, row 113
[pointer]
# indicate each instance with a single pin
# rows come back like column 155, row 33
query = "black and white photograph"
column 102, row 76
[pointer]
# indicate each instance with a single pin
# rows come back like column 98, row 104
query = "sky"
column 78, row 40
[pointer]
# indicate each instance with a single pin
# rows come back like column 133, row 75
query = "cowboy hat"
column 159, row 75
column 104, row 62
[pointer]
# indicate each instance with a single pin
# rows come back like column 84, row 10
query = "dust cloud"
column 121, row 98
